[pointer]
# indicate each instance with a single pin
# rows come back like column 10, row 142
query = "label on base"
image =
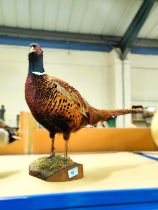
column 73, row 172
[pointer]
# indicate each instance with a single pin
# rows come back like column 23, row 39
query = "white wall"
column 87, row 71
column 144, row 79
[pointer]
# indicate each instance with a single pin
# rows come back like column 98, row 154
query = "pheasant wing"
column 73, row 95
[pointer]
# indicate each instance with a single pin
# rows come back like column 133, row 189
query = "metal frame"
column 135, row 26
column 8, row 35
column 58, row 36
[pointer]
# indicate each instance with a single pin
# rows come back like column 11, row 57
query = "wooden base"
column 55, row 169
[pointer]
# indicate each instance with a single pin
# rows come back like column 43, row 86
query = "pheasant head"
column 35, row 59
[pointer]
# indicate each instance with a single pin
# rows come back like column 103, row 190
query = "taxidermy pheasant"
column 58, row 106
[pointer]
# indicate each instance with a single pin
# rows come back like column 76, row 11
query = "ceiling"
column 103, row 17
column 91, row 18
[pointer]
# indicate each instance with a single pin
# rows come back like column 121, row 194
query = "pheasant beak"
column 32, row 49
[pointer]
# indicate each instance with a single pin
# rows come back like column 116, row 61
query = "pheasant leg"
column 52, row 148
column 52, row 136
column 66, row 136
column 66, row 149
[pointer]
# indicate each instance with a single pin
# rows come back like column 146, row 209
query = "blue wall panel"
column 55, row 44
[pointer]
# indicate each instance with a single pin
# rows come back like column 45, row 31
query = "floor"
column 102, row 171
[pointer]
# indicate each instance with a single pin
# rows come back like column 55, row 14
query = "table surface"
column 102, row 171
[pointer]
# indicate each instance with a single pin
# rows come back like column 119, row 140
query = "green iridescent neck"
column 35, row 64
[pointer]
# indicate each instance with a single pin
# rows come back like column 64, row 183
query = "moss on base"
column 52, row 162
column 46, row 166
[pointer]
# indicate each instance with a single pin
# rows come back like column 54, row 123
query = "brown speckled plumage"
column 57, row 105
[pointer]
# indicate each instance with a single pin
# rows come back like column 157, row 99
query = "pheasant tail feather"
column 103, row 115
